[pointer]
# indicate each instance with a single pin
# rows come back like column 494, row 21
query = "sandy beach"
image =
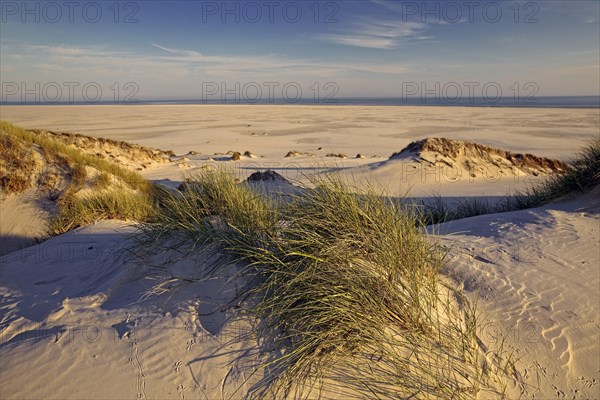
column 273, row 130
column 269, row 132
column 76, row 304
column 300, row 200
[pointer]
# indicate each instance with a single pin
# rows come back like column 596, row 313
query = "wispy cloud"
column 378, row 35
column 96, row 62
column 48, row 67
column 177, row 51
column 271, row 63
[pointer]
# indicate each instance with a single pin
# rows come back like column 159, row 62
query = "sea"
column 537, row 102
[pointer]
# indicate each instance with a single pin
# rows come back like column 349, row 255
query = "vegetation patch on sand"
column 85, row 187
column 580, row 174
column 457, row 153
column 16, row 164
column 345, row 289
column 130, row 155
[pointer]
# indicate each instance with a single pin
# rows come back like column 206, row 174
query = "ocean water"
column 537, row 102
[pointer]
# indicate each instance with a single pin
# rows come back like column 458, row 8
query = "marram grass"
column 80, row 210
column 345, row 289
column 583, row 176
column 75, row 157
column 129, row 197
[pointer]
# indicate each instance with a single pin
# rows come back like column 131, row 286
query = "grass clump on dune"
column 120, row 193
column 102, row 181
column 583, row 176
column 211, row 208
column 15, row 166
column 75, row 157
column 80, row 210
column 346, row 289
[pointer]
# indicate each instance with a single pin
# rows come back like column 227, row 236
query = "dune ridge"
column 121, row 152
column 470, row 155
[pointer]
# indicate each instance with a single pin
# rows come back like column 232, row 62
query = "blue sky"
column 367, row 48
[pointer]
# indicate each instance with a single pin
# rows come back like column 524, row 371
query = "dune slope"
column 536, row 275
column 74, row 310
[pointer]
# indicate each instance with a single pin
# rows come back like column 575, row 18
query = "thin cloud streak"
column 379, row 35
column 88, row 57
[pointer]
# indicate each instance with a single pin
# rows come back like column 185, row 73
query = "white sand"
column 369, row 130
column 22, row 221
column 71, row 316
column 375, row 132
column 536, row 273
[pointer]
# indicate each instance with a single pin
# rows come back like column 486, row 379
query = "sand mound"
column 273, row 185
column 477, row 158
column 130, row 155
column 43, row 173
column 267, row 176
column 294, row 153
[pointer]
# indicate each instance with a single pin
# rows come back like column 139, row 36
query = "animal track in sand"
column 140, row 376
column 180, row 389
column 559, row 393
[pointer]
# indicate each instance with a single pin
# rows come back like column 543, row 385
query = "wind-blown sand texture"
column 75, row 308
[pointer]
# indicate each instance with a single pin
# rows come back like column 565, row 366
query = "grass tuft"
column 131, row 201
column 102, row 181
column 79, row 210
column 583, row 176
column 345, row 288
column 16, row 165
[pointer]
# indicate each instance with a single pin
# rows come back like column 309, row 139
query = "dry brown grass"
column 16, row 165
column 65, row 173
column 102, row 181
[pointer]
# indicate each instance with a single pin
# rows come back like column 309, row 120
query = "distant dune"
column 477, row 158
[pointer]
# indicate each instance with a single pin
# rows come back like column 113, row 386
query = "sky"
column 210, row 50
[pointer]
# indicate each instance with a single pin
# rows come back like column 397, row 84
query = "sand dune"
column 130, row 155
column 536, row 275
column 81, row 305
column 477, row 158
column 74, row 306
